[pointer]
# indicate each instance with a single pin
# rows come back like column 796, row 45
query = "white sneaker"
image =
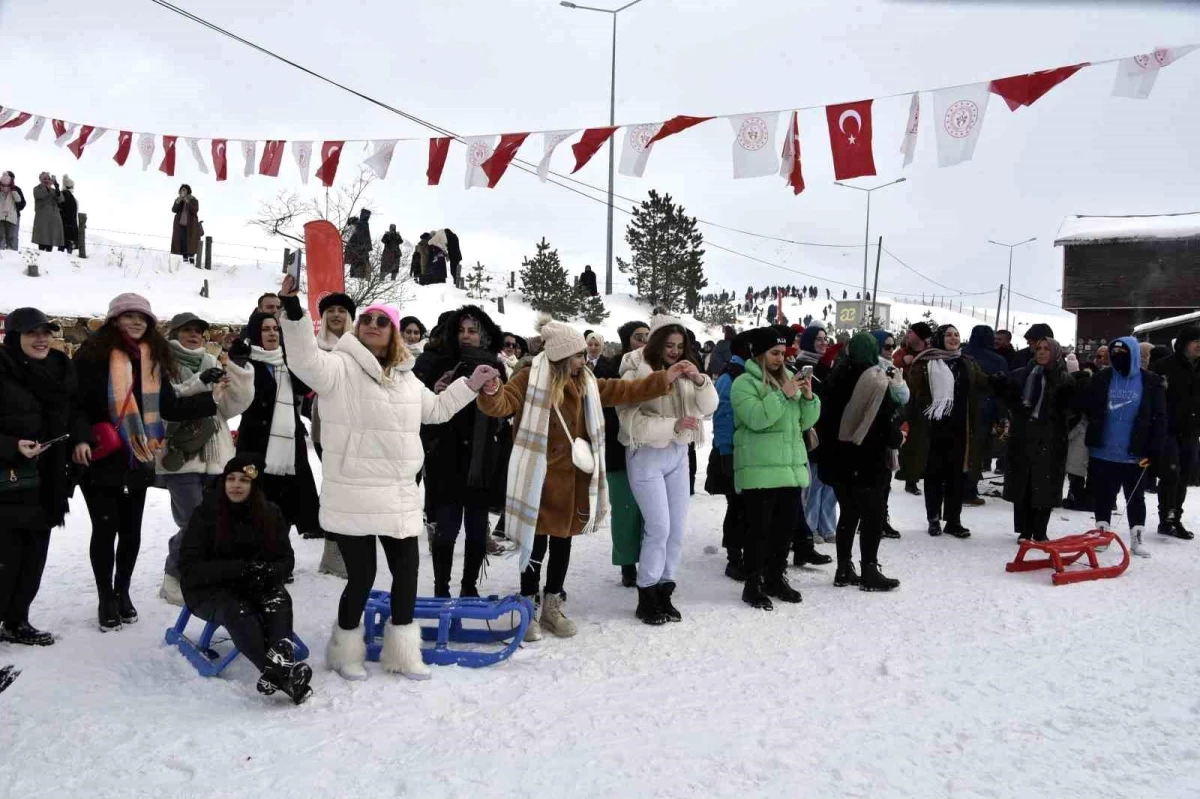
column 402, row 651
column 1136, row 544
column 171, row 591
column 347, row 653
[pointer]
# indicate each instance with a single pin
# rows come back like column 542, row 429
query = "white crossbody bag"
column 581, row 451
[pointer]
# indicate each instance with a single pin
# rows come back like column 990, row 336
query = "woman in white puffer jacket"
column 372, row 409
column 656, row 435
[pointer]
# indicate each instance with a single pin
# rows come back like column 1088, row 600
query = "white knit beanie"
column 659, row 321
column 559, row 341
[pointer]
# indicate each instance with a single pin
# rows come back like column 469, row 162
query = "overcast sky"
column 482, row 67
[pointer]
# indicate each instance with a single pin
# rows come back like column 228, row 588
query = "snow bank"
column 1104, row 229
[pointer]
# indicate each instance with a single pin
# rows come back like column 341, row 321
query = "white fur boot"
column 347, row 653
column 1136, row 546
column 402, row 651
column 331, row 561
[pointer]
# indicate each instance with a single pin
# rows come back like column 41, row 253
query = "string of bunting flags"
column 957, row 121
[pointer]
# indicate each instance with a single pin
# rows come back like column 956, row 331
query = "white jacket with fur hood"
column 370, row 432
column 652, row 423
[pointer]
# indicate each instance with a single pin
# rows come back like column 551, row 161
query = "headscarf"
column 1035, row 382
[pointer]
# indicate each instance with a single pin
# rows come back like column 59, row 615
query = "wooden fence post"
column 500, row 304
column 512, row 280
column 208, row 253
column 198, row 257
column 82, row 236
column 204, row 291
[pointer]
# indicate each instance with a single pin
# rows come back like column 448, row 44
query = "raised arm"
column 324, row 372
column 440, row 408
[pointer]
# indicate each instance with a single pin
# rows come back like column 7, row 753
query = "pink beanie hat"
column 390, row 311
column 130, row 302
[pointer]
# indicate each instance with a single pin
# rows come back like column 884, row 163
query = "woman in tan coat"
column 186, row 232
column 556, row 481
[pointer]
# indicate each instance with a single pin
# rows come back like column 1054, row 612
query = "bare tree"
column 285, row 215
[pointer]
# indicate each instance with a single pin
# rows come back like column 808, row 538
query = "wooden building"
column 1123, row 271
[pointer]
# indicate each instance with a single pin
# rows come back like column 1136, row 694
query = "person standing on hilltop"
column 47, row 219
column 358, row 248
column 69, row 209
column 587, row 282
column 11, row 205
column 389, row 262
column 186, row 231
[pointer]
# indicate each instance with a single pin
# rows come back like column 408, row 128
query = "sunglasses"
column 889, row 346
column 640, row 336
column 380, row 321
column 510, row 345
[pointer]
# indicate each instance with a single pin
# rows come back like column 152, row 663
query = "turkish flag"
column 439, row 149
column 168, row 163
column 272, row 158
column 124, row 143
column 77, row 146
column 323, row 259
column 17, row 121
column 1022, row 90
column 220, row 161
column 331, row 155
column 505, row 152
column 587, row 146
column 677, row 124
column 850, row 139
column 790, row 167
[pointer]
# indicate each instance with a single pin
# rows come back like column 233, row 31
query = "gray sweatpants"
column 658, row 478
column 187, row 491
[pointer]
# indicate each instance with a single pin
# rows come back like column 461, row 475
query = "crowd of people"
column 432, row 430
column 55, row 213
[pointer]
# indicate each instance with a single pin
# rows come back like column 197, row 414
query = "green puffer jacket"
column 768, row 445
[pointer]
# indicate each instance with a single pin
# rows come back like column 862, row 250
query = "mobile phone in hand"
column 53, row 441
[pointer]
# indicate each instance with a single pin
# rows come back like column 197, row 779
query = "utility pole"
column 875, row 290
column 999, row 302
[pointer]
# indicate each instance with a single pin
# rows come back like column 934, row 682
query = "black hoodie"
column 1183, row 387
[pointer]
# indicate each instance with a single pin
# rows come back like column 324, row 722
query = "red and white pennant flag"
column 167, row 166
column 754, row 145
column 850, row 134
column 302, row 152
column 124, row 144
column 331, row 156
column 380, row 161
column 479, row 150
column 551, row 140
column 958, row 118
column 789, row 169
column 35, row 132
column 908, row 147
column 87, row 135
column 146, row 149
column 220, row 151
column 63, row 131
column 1136, row 76
column 194, row 146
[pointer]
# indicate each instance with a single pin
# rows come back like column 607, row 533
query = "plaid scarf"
column 141, row 429
column 527, row 465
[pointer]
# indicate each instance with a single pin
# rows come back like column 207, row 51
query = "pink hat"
column 390, row 311
column 130, row 302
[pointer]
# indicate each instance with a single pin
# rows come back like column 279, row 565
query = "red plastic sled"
column 1066, row 551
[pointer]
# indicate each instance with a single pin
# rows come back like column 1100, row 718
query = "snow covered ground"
column 967, row 682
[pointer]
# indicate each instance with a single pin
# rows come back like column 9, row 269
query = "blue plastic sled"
column 206, row 660
column 449, row 614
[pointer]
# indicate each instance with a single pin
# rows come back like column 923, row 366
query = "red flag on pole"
column 168, row 163
column 587, row 146
column 675, row 125
column 496, row 165
column 439, row 149
column 272, row 158
column 124, row 143
column 850, row 138
column 331, row 155
column 220, row 161
column 1022, row 90
column 323, row 257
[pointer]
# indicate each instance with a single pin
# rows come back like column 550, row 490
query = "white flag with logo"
column 550, row 140
column 146, row 149
column 958, row 118
column 248, row 151
column 36, row 131
column 479, row 149
column 1136, row 76
column 302, row 151
column 194, row 146
column 637, row 149
column 380, row 161
column 909, row 146
column 754, row 145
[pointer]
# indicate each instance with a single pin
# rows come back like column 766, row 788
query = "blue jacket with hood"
column 1127, row 413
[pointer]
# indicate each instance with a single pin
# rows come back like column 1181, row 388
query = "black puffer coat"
column 1037, row 448
column 36, row 405
column 469, row 452
column 1183, row 388
column 211, row 563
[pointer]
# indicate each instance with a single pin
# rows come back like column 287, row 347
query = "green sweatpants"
column 626, row 521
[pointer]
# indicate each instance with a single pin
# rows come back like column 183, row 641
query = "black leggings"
column 255, row 624
column 556, row 569
column 733, row 530
column 770, row 526
column 116, row 515
column 22, row 561
column 450, row 519
column 358, row 551
column 862, row 508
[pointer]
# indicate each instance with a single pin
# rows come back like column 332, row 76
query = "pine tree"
column 593, row 310
column 716, row 310
column 479, row 283
column 546, row 285
column 667, row 263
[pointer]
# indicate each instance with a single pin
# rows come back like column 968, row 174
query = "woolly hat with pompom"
column 68, row 183
column 659, row 321
column 559, row 341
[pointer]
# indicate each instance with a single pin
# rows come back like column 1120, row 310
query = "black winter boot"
column 108, row 616
column 874, row 580
column 845, row 575
column 629, row 575
column 26, row 635
column 472, row 565
column 935, row 527
column 753, row 594
column 807, row 554
column 888, row 530
column 664, row 602
column 911, row 487
column 280, row 659
column 648, row 609
column 779, row 587
column 957, row 530
column 734, row 569
column 443, row 564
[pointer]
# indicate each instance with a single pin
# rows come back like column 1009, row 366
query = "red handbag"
column 107, row 440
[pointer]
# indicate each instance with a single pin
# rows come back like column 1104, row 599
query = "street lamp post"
column 867, row 232
column 612, row 120
column 1008, row 305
